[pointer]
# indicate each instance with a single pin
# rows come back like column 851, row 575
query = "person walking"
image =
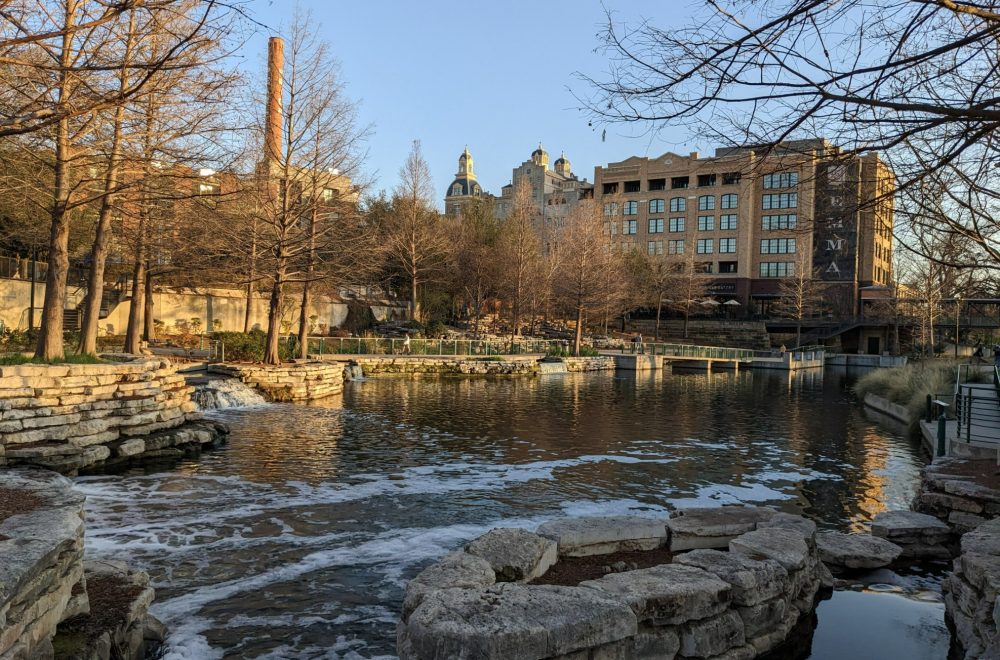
column 977, row 355
column 406, row 345
column 996, row 355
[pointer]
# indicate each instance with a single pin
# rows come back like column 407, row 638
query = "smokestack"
column 272, row 126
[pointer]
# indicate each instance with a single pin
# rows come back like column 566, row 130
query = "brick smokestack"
column 272, row 127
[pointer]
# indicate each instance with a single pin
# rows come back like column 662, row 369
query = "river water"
column 296, row 540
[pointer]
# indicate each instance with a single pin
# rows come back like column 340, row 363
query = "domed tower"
column 464, row 187
column 562, row 165
column 540, row 157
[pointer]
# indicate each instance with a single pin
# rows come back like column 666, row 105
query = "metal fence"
column 689, row 351
column 977, row 409
column 431, row 347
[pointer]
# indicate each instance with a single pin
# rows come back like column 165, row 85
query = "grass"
column 909, row 385
column 14, row 359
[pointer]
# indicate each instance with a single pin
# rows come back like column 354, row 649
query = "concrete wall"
column 180, row 306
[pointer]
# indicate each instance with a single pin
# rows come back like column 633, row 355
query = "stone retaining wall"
column 603, row 363
column 43, row 578
column 753, row 575
column 300, row 381
column 972, row 593
column 961, row 492
column 68, row 417
column 384, row 365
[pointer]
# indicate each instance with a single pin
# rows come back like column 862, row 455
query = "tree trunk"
column 798, row 334
column 578, row 335
column 272, row 354
column 248, row 312
column 50, row 335
column 659, row 309
column 148, row 331
column 132, row 333
column 687, row 313
column 414, row 305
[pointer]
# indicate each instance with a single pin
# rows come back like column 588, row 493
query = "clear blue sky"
column 494, row 75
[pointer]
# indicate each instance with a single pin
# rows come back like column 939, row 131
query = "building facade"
column 754, row 216
column 465, row 187
column 555, row 191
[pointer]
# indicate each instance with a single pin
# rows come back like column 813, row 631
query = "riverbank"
column 74, row 417
column 52, row 601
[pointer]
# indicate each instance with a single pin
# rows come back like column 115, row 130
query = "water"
column 222, row 393
column 297, row 539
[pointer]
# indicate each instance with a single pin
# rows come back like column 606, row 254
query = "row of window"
column 781, row 180
column 788, row 221
column 676, row 183
column 777, row 246
column 677, row 205
column 780, row 201
column 777, row 268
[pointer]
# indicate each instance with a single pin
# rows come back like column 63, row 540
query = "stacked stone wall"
column 43, row 578
column 605, row 363
column 288, row 382
column 972, row 593
column 68, row 417
column 387, row 365
column 961, row 492
column 754, row 575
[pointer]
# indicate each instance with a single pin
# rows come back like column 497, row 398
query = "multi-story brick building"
column 754, row 216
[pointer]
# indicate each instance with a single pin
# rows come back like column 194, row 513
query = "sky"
column 496, row 76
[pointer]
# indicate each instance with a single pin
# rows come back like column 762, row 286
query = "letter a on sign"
column 832, row 268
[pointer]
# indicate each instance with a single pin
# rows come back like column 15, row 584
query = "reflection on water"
column 296, row 540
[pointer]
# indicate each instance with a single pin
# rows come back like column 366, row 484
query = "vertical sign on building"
column 835, row 240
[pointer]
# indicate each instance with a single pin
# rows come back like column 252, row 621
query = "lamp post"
column 958, row 315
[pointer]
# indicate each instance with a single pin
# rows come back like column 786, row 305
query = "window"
column 678, row 204
column 631, row 186
column 656, row 225
column 705, row 246
column 730, row 179
column 678, row 182
column 777, row 268
column 727, row 222
column 706, row 222
column 777, row 246
column 676, row 225
column 728, row 266
column 675, row 247
column 780, row 201
column 656, row 206
column 730, row 201
column 630, row 226
column 610, row 188
column 706, row 203
column 703, row 267
column 779, row 221
column 727, row 245
column 611, row 208
column 781, row 180
column 328, row 194
column 706, row 180
column 630, row 208
column 654, row 247
column 656, row 184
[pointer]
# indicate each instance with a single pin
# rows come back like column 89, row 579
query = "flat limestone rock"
column 457, row 570
column 579, row 537
column 984, row 539
column 710, row 638
column 856, row 550
column 752, row 581
column 508, row 621
column 667, row 595
column 785, row 546
column 895, row 524
column 803, row 526
column 516, row 555
column 713, row 527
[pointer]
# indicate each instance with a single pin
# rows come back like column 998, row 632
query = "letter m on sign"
column 835, row 244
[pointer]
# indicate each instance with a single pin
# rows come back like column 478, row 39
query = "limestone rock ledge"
column 972, row 592
column 740, row 597
column 299, row 381
column 44, row 579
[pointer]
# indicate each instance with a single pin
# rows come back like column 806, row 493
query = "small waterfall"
column 354, row 372
column 554, row 367
column 220, row 393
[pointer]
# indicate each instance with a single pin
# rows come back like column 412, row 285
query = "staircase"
column 71, row 319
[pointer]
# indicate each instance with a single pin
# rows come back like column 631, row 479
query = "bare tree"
column 590, row 273
column 520, row 247
column 801, row 292
column 477, row 258
column 414, row 241
column 690, row 285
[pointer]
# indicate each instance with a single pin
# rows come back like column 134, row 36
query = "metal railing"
column 430, row 347
column 689, row 351
column 977, row 409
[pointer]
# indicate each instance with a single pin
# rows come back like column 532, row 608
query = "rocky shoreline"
column 52, row 601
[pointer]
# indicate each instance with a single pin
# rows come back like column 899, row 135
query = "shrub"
column 434, row 328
